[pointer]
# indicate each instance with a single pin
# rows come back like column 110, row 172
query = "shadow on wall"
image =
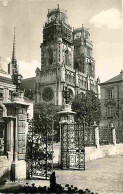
column 5, row 177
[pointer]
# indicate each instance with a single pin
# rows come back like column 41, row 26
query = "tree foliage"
column 44, row 116
column 87, row 106
column 46, row 111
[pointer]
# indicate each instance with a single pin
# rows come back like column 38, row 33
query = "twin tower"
column 66, row 60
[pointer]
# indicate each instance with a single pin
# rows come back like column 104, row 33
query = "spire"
column 82, row 31
column 13, row 53
column 14, row 61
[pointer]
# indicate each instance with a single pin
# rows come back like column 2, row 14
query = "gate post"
column 17, row 111
column 72, row 151
column 96, row 127
column 113, row 134
column 67, row 117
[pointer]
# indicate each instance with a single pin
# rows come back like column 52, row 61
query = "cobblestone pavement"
column 102, row 176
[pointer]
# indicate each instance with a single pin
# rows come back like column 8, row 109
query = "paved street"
column 102, row 176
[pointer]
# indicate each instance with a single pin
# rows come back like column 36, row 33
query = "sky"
column 101, row 17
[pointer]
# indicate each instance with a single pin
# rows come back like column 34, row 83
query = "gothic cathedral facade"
column 66, row 60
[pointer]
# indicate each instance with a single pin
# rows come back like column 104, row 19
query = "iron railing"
column 105, row 136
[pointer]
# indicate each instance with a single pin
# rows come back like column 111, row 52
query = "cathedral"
column 66, row 60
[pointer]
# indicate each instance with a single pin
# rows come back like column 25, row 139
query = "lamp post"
column 16, row 79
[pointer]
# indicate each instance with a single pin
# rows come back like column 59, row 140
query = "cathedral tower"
column 65, row 60
column 83, row 58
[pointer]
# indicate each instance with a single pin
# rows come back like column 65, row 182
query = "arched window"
column 91, row 69
column 50, row 55
column 82, row 69
column 67, row 58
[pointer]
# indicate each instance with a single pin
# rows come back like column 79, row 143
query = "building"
column 6, row 90
column 28, row 86
column 8, row 86
column 6, row 83
column 66, row 60
column 112, row 101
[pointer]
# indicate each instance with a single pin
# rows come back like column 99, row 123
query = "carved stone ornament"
column 110, row 102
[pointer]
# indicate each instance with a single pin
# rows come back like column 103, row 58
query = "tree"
column 46, row 111
column 44, row 116
column 87, row 106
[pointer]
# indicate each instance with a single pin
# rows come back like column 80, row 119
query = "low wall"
column 4, row 165
column 92, row 153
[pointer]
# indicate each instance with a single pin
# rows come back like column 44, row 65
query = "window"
column 67, row 58
column 50, row 55
column 109, row 112
column 10, row 94
column 1, row 93
column 89, row 51
column 110, row 94
column 1, row 111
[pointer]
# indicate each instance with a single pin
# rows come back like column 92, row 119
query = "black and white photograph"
column 61, row 96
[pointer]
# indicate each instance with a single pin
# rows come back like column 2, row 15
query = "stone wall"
column 92, row 153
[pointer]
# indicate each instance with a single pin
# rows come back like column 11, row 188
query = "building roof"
column 28, row 100
column 117, row 78
column 5, row 77
column 2, row 71
column 28, row 83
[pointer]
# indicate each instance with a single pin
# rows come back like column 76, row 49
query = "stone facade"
column 6, row 90
column 66, row 60
column 8, row 86
column 112, row 101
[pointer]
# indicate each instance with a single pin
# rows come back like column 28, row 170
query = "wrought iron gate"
column 40, row 152
column 72, row 146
